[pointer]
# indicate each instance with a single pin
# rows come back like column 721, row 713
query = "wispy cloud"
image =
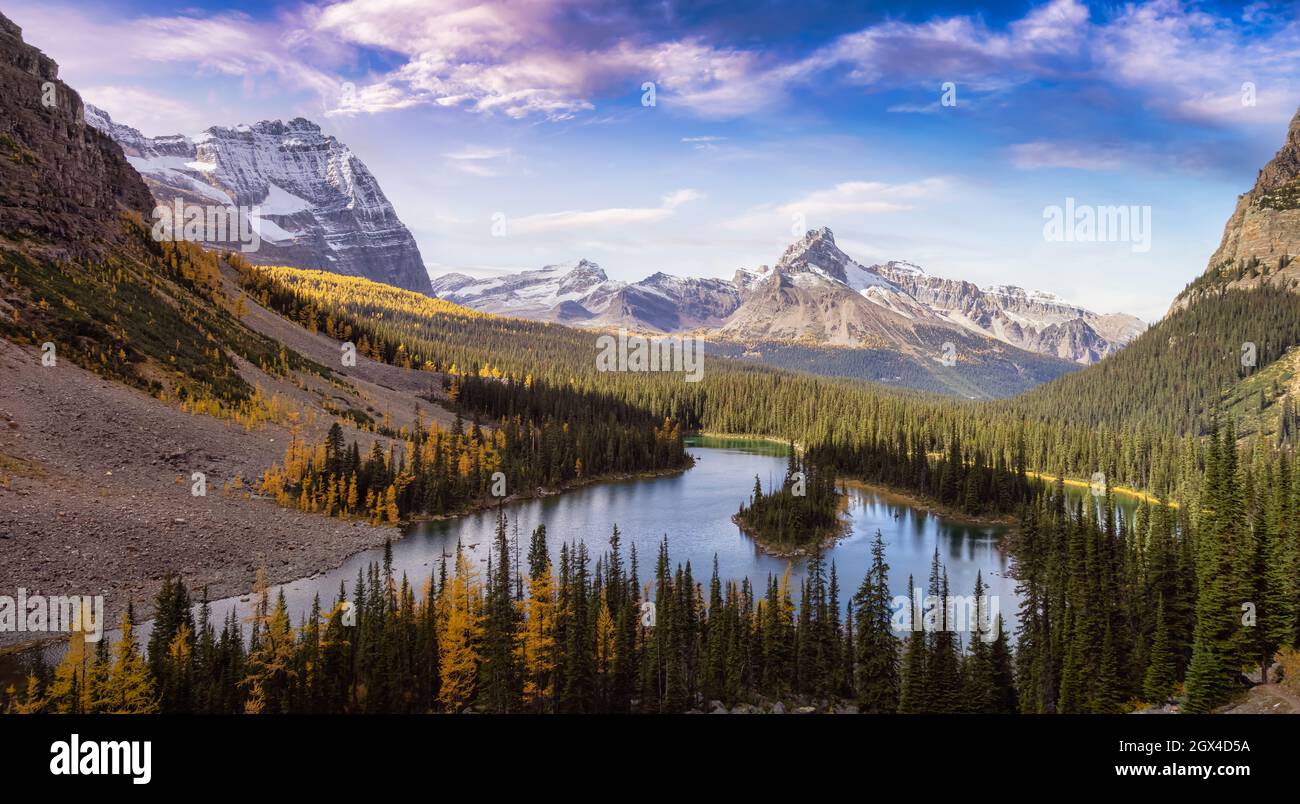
column 862, row 197
column 151, row 112
column 960, row 48
column 517, row 58
column 480, row 160
column 1042, row 154
column 1192, row 64
column 230, row 43
column 596, row 218
column 837, row 204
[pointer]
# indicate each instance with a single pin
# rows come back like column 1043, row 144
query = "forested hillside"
column 1172, row 378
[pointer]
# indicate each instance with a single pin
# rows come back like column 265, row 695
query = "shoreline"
column 541, row 493
column 404, row 528
column 912, row 500
column 1144, row 496
column 931, row 506
column 802, row 551
column 745, row 437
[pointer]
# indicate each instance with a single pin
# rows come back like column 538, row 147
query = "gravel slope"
column 95, row 496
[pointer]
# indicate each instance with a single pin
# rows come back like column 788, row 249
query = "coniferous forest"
column 542, row 438
column 570, row 633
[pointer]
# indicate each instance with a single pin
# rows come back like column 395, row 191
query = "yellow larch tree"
column 535, row 642
column 461, row 637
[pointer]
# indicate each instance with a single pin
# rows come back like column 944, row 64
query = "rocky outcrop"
column 63, row 184
column 816, row 251
column 1261, row 239
column 316, row 203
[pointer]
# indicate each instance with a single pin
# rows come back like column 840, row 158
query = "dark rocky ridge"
column 63, row 185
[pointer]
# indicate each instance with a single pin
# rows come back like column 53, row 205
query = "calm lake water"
column 694, row 511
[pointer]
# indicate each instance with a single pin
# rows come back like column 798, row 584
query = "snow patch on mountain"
column 317, row 205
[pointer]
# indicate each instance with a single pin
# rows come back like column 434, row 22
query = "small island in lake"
column 799, row 516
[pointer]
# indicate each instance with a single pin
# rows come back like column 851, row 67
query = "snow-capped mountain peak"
column 816, row 252
column 318, row 205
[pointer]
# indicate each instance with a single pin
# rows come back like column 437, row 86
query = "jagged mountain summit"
column 818, row 294
column 318, row 206
column 1262, row 236
column 814, row 294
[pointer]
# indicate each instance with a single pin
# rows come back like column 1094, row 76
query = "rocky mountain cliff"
column 815, row 293
column 317, row 204
column 63, row 185
column 1262, row 236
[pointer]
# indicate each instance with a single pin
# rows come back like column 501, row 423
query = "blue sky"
column 767, row 116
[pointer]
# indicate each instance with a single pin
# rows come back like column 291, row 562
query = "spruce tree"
column 913, row 689
column 877, row 672
column 1158, row 683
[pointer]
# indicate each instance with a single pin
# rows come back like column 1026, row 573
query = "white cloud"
column 230, row 44
column 609, row 217
column 1042, row 154
column 525, row 58
column 959, row 48
column 845, row 202
column 150, row 112
column 862, row 197
column 1191, row 64
column 481, row 160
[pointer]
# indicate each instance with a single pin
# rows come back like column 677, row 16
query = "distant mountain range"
column 814, row 295
column 318, row 205
column 580, row 293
